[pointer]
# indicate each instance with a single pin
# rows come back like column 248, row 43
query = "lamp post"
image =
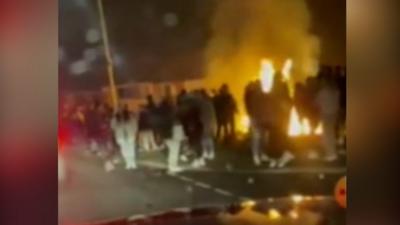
column 110, row 65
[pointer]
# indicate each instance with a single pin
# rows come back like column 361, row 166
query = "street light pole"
column 110, row 64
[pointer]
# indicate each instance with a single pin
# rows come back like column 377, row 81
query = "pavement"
column 92, row 194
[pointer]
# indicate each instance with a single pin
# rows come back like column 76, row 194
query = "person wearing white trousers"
column 147, row 141
column 125, row 128
column 174, row 145
column 209, row 122
column 258, row 136
column 128, row 152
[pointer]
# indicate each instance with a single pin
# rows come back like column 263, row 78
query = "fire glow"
column 295, row 126
column 267, row 74
column 319, row 130
column 286, row 70
column 301, row 127
column 287, row 76
column 306, row 127
column 244, row 123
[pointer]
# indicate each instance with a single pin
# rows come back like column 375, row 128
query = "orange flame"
column 302, row 127
column 287, row 76
column 244, row 123
column 295, row 126
column 267, row 73
column 286, row 69
column 306, row 127
column 319, row 130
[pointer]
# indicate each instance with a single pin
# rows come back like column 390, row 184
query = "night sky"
column 158, row 39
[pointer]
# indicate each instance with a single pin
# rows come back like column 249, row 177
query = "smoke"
column 245, row 31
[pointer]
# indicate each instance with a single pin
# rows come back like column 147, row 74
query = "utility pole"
column 110, row 64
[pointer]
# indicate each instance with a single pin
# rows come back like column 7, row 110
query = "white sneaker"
column 202, row 162
column 211, row 155
column 313, row 155
column 196, row 163
column 206, row 155
column 99, row 154
column 131, row 167
column 257, row 161
column 175, row 170
column 341, row 141
column 93, row 146
column 272, row 163
column 286, row 158
column 330, row 158
column 184, row 158
column 109, row 166
column 264, row 158
column 116, row 160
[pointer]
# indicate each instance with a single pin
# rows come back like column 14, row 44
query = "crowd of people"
column 190, row 124
column 320, row 99
column 185, row 125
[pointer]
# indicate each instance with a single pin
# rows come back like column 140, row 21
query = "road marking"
column 153, row 164
column 311, row 170
column 222, row 192
column 187, row 179
column 291, row 170
column 203, row 185
column 183, row 209
column 244, row 198
column 136, row 217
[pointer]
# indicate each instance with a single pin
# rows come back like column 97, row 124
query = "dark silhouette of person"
column 258, row 107
column 226, row 110
column 165, row 112
column 181, row 97
column 281, row 105
column 189, row 112
column 150, row 104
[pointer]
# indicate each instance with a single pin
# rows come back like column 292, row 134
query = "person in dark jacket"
column 209, row 123
column 281, row 103
column 258, row 107
column 194, row 127
column 226, row 109
column 146, row 135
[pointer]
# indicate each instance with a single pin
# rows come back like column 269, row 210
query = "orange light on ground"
column 297, row 199
column 274, row 214
column 267, row 73
column 248, row 204
column 319, row 129
column 294, row 214
column 295, row 126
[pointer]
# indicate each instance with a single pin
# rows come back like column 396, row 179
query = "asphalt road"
column 91, row 194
